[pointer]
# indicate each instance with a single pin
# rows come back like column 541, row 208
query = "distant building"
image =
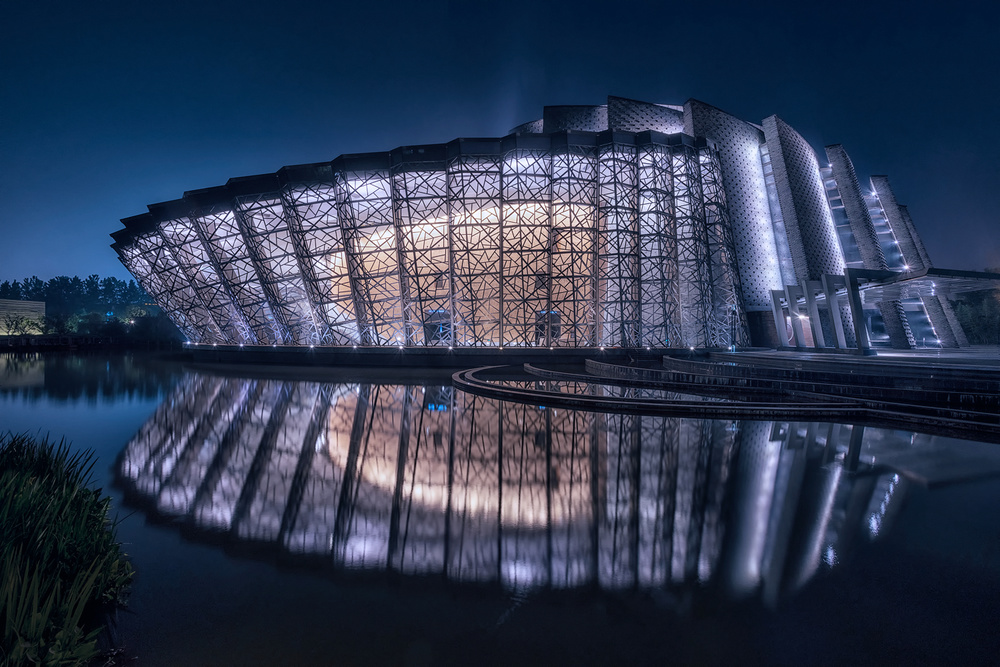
column 14, row 314
column 627, row 224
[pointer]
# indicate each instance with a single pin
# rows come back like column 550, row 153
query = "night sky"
column 108, row 106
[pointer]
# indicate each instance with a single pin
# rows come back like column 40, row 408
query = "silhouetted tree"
column 70, row 295
column 10, row 290
column 33, row 289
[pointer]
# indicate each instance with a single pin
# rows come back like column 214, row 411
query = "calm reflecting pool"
column 277, row 521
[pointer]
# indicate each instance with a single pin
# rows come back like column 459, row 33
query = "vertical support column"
column 779, row 317
column 857, row 311
column 830, row 285
column 618, row 242
column 692, row 248
column 811, row 287
column 792, row 293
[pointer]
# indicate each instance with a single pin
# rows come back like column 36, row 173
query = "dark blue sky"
column 108, row 106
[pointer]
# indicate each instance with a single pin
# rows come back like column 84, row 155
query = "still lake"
column 366, row 520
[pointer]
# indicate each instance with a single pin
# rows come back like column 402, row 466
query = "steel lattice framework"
column 615, row 225
column 566, row 239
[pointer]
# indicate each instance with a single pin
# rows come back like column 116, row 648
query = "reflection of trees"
column 81, row 376
column 430, row 480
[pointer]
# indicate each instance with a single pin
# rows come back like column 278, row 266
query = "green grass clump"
column 60, row 563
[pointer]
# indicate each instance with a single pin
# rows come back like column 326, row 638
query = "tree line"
column 67, row 296
column 92, row 306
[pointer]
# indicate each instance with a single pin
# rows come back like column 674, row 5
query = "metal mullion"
column 402, row 277
column 297, row 236
column 189, row 310
column 244, row 287
column 187, row 271
column 343, row 202
column 248, row 235
column 248, row 333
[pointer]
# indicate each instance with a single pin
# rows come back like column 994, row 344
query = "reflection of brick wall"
column 33, row 310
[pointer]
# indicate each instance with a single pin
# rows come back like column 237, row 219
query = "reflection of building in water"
column 20, row 371
column 429, row 480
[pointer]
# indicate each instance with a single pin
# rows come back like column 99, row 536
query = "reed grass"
column 61, row 566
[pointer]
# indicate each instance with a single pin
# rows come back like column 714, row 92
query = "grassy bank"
column 61, row 567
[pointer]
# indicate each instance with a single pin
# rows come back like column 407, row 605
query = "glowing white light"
column 311, row 346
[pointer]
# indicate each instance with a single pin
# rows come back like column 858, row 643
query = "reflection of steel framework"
column 616, row 225
column 430, row 480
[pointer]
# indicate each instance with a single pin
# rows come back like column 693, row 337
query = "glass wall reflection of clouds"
column 430, row 480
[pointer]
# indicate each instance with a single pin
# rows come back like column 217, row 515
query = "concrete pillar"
column 815, row 323
column 857, row 311
column 830, row 284
column 792, row 294
column 779, row 317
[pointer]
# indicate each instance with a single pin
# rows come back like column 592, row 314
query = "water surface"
column 276, row 521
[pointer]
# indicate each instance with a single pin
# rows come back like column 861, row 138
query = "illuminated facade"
column 627, row 225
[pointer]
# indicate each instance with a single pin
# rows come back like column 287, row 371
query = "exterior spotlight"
column 215, row 345
column 691, row 348
column 241, row 344
column 906, row 267
column 311, row 346
column 602, row 348
column 450, row 347
column 355, row 347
